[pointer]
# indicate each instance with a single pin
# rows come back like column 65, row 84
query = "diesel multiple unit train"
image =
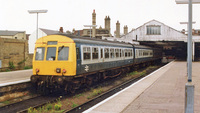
column 68, row 62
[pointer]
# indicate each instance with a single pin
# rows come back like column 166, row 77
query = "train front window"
column 40, row 53
column 51, row 53
column 63, row 53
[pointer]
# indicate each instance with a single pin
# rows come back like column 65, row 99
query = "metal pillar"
column 37, row 28
column 193, row 51
column 189, row 87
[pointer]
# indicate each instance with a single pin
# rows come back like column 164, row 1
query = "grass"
column 6, row 102
column 95, row 92
column 48, row 108
column 78, row 95
column 74, row 105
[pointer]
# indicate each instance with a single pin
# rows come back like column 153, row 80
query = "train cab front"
column 54, row 60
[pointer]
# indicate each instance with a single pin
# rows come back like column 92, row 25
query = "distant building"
column 41, row 32
column 13, row 34
column 95, row 32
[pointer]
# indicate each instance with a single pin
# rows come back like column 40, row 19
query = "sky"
column 71, row 14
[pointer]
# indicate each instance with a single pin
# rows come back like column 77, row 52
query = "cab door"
column 78, row 59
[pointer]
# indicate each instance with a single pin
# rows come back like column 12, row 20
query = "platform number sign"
column 0, row 63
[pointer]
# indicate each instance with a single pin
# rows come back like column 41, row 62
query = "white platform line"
column 102, row 102
column 12, row 83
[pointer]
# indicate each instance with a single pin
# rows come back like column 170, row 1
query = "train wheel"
column 89, row 81
column 71, row 88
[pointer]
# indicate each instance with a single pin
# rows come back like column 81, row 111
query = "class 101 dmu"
column 63, row 61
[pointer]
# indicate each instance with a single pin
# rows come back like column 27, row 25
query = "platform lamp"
column 37, row 12
column 90, row 27
column 189, row 87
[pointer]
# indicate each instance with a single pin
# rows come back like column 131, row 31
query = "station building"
column 157, row 34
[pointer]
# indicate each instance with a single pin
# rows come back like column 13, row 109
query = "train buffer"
column 163, row 91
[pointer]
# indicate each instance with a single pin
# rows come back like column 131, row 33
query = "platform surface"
column 8, row 78
column 163, row 91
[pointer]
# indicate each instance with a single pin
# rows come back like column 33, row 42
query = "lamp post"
column 90, row 27
column 37, row 12
column 189, row 87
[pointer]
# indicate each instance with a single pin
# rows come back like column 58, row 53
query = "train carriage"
column 67, row 62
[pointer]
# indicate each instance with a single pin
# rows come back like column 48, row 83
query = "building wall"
column 13, row 51
column 167, row 33
column 32, row 40
column 20, row 35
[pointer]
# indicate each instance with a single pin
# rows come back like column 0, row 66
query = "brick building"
column 15, row 51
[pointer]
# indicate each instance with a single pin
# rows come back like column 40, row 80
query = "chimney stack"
column 183, row 31
column 61, row 30
column 125, row 29
column 93, row 23
column 117, row 29
column 107, row 24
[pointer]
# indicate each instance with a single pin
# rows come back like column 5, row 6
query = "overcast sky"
column 71, row 14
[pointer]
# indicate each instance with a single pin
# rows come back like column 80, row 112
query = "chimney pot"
column 61, row 30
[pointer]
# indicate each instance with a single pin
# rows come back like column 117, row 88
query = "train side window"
column 106, row 52
column 126, row 52
column 129, row 52
column 101, row 52
column 51, row 53
column 117, row 53
column 77, row 53
column 112, row 55
column 122, row 52
column 40, row 53
column 95, row 53
column 86, row 53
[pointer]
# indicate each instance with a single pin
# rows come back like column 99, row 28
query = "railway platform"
column 15, row 77
column 163, row 91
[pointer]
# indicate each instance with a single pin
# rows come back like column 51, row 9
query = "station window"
column 106, row 52
column 112, row 55
column 40, row 53
column 86, row 53
column 95, row 53
column 153, row 30
column 51, row 53
column 63, row 53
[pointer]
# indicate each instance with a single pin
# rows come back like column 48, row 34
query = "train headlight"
column 64, row 70
column 58, row 70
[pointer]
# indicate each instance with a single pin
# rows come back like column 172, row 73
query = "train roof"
column 95, row 41
column 79, row 39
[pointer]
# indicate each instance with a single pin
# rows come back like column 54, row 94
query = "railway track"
column 88, row 104
column 22, row 107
